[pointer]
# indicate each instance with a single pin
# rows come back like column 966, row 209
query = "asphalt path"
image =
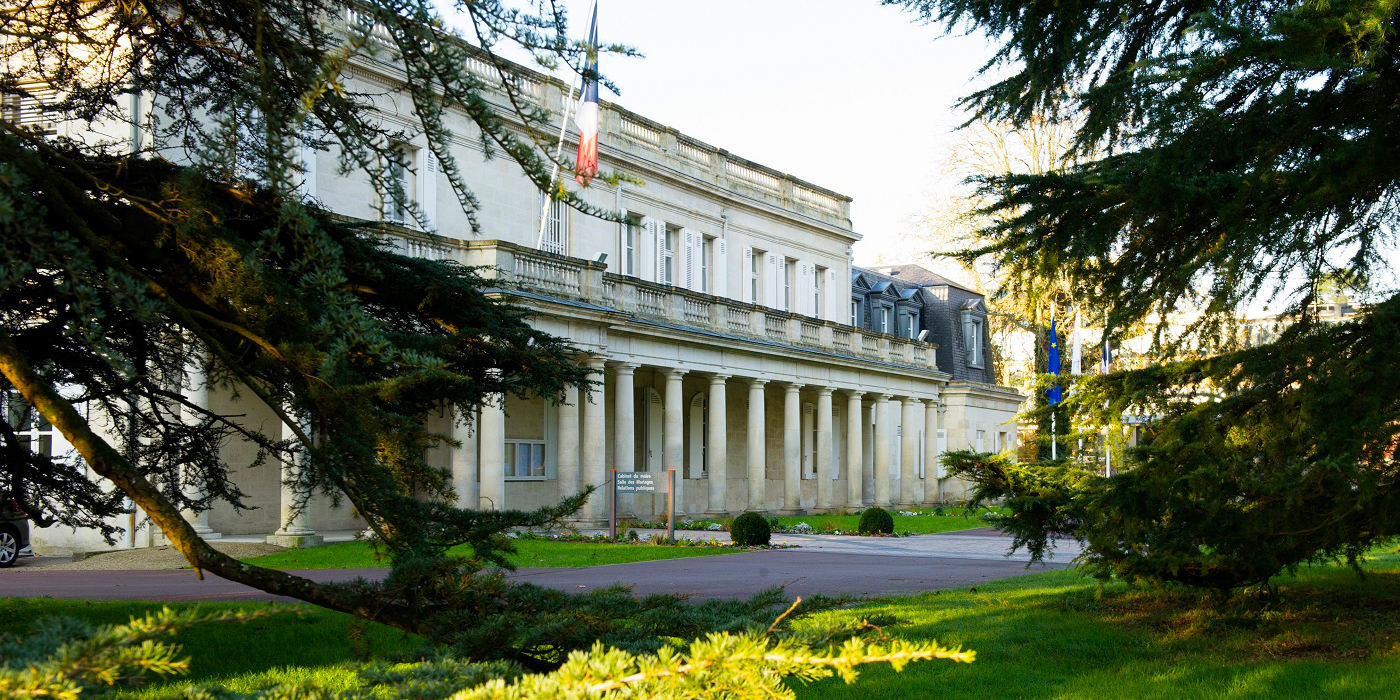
column 822, row 565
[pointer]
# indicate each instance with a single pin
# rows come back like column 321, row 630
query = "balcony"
column 547, row 274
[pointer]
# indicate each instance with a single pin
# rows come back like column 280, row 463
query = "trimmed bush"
column 750, row 529
column 876, row 521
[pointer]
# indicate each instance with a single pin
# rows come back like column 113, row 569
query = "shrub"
column 750, row 529
column 876, row 521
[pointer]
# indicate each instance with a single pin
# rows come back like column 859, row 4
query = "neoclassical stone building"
column 717, row 318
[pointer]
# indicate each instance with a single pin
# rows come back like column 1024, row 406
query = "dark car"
column 14, row 534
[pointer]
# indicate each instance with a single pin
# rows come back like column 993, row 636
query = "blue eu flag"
column 1055, row 391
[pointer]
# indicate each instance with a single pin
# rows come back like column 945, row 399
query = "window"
column 885, row 326
column 29, row 426
column 399, row 174
column 525, row 459
column 981, row 444
column 972, row 339
column 631, row 233
column 556, row 234
column 855, row 312
column 706, row 248
column 818, row 279
column 789, row 272
column 755, row 281
column 668, row 255
column 907, row 325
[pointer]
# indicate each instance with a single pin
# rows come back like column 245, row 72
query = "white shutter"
column 649, row 243
column 427, row 186
column 690, row 261
column 746, row 274
column 308, row 181
column 804, row 289
column 775, row 280
column 838, row 297
column 661, row 235
column 719, row 269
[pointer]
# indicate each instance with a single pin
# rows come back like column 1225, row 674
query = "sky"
column 849, row 95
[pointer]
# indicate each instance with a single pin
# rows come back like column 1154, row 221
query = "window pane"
column 510, row 458
column 536, row 460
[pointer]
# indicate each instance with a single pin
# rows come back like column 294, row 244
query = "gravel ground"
column 154, row 558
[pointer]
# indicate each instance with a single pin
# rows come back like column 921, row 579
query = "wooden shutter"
column 427, row 190
column 649, row 243
column 838, row 298
column 690, row 261
column 746, row 275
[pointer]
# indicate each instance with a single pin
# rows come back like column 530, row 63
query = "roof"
column 918, row 275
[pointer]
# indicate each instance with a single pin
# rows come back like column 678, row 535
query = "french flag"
column 587, row 116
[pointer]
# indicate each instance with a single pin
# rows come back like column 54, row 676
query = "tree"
column 1243, row 144
column 128, row 264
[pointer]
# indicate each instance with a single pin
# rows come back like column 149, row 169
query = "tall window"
column 668, row 273
column 885, row 319
column 818, row 279
column 706, row 248
column 855, row 312
column 556, row 230
column 400, row 174
column 631, row 232
column 972, row 338
column 789, row 272
column 755, row 279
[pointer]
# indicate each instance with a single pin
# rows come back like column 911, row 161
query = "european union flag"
column 1055, row 391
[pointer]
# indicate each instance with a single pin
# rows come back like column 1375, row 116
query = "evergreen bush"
column 750, row 529
column 876, row 521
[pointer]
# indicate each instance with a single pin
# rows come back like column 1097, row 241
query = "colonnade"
column 582, row 457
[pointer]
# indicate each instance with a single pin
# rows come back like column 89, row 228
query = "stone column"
column 593, row 455
column 717, row 449
column 792, row 449
column 855, row 451
column 931, row 451
column 568, row 450
column 294, row 515
column 465, row 429
column 758, row 453
column 884, row 434
column 823, row 448
column 198, row 394
column 624, row 430
column 910, row 419
column 674, row 438
column 491, row 433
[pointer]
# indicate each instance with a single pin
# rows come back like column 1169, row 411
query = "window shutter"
column 661, row 235
column 745, row 276
column 427, row 186
column 804, row 289
column 649, row 242
column 719, row 269
column 308, row 182
column 836, row 297
column 690, row 260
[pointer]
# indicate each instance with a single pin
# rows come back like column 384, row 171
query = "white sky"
column 847, row 94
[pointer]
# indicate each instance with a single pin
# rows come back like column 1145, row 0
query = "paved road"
column 824, row 564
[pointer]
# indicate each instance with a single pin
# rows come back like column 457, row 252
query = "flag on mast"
column 587, row 116
column 1078, row 345
column 1054, row 362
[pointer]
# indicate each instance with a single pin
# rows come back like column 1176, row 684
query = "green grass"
column 1327, row 634
column 1056, row 635
column 305, row 643
column 532, row 553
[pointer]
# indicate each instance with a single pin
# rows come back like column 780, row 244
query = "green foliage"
column 876, row 521
column 750, row 529
column 1231, row 149
column 66, row 660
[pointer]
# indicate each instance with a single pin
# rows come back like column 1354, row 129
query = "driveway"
column 827, row 564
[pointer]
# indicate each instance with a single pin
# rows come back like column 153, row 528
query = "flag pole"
column 559, row 149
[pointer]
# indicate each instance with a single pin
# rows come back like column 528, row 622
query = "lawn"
column 532, row 553
column 1326, row 633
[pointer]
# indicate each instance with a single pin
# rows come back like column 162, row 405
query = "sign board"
column 636, row 482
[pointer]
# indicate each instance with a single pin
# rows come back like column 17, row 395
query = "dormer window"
column 974, row 320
